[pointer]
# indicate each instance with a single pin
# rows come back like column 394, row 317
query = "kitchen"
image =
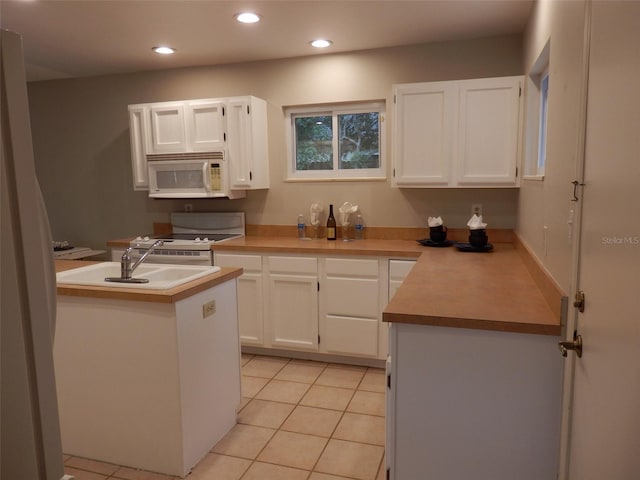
column 80, row 130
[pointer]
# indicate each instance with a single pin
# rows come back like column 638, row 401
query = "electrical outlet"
column 188, row 207
column 208, row 309
column 476, row 209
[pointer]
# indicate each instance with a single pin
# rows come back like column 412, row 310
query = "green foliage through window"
column 314, row 143
column 359, row 140
column 338, row 140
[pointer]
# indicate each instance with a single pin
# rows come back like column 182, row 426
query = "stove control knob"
column 205, row 239
column 146, row 238
column 138, row 238
column 197, row 240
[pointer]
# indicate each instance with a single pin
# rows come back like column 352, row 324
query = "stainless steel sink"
column 160, row 277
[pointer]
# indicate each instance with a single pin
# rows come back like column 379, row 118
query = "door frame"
column 575, row 223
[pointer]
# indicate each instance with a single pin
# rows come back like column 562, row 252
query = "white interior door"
column 605, row 421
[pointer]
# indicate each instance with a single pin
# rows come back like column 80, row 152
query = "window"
column 537, row 100
column 336, row 142
column 542, row 124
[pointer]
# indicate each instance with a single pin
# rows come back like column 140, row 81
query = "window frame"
column 536, row 120
column 542, row 123
column 334, row 110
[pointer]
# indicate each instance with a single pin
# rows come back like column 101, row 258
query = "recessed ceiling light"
column 164, row 50
column 248, row 17
column 321, row 43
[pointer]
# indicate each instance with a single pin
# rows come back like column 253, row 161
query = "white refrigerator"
column 30, row 446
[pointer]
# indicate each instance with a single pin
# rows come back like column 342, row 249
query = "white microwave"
column 190, row 175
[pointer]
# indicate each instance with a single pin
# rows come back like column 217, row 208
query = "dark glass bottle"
column 331, row 225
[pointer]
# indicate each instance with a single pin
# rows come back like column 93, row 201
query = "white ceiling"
column 76, row 38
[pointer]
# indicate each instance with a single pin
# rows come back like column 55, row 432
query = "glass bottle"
column 331, row 225
column 300, row 226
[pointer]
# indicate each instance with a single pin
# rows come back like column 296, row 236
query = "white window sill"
column 336, row 179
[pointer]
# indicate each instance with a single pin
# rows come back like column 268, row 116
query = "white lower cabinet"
column 330, row 305
column 250, row 295
column 398, row 270
column 292, row 302
column 472, row 404
column 350, row 306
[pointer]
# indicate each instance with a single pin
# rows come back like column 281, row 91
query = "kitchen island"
column 148, row 379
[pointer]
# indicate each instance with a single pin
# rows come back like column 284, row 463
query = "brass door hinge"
column 579, row 300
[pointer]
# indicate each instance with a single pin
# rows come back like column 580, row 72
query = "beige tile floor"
column 298, row 420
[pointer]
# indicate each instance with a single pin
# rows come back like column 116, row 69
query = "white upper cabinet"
column 423, row 133
column 139, row 146
column 457, row 134
column 167, row 128
column 237, row 124
column 191, row 126
column 488, row 130
column 205, row 125
column 247, row 143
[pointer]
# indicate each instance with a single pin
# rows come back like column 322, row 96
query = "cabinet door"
column 247, row 143
column 168, row 128
column 250, row 295
column 398, row 270
column 205, row 125
column 489, row 114
column 138, row 128
column 239, row 143
column 423, row 133
column 350, row 291
column 293, row 302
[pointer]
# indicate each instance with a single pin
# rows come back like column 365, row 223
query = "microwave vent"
column 186, row 156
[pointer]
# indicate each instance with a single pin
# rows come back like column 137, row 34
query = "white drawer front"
column 356, row 297
column 352, row 336
column 352, row 267
column 305, row 265
column 248, row 262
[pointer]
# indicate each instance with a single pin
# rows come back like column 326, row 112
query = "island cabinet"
column 147, row 379
column 457, row 134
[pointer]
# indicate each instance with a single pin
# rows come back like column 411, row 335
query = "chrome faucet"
column 126, row 268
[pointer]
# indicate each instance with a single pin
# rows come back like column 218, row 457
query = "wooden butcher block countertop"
column 171, row 295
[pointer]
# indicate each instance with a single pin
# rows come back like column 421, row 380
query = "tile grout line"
column 338, row 423
column 278, row 429
column 253, row 460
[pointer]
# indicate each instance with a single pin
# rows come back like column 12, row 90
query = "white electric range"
column 193, row 236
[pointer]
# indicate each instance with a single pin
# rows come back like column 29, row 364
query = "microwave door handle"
column 206, row 178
